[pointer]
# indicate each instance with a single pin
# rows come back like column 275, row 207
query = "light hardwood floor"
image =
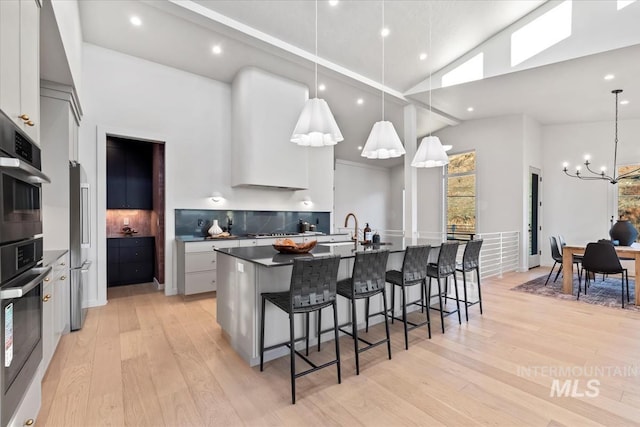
column 148, row 360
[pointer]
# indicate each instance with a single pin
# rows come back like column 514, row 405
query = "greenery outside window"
column 629, row 197
column 461, row 194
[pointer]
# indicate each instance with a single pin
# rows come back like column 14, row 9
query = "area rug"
column 605, row 292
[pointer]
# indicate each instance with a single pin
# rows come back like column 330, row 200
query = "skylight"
column 469, row 71
column 541, row 33
column 624, row 3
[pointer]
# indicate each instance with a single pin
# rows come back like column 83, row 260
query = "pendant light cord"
column 615, row 151
column 431, row 55
column 316, row 57
column 382, row 60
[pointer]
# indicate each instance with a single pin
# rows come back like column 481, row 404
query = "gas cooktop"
column 276, row 234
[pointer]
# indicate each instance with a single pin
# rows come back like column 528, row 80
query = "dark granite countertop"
column 267, row 256
column 49, row 257
column 203, row 238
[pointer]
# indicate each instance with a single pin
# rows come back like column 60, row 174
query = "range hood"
column 265, row 108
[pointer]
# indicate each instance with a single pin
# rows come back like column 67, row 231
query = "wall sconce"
column 307, row 201
column 216, row 197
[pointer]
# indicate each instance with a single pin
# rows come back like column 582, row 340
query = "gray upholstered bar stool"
column 313, row 287
column 414, row 272
column 443, row 269
column 367, row 280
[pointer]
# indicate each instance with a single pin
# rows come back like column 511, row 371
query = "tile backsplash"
column 196, row 222
column 139, row 220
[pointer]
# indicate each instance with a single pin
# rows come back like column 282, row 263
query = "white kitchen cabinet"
column 55, row 309
column 329, row 238
column 20, row 64
column 197, row 265
column 28, row 409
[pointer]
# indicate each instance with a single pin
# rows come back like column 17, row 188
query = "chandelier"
column 602, row 174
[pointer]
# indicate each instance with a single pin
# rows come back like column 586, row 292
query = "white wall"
column 364, row 190
column 581, row 210
column 128, row 96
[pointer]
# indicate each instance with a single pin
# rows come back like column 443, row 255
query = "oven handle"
column 18, row 292
column 23, row 169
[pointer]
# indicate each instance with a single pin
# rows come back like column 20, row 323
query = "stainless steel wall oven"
column 21, row 269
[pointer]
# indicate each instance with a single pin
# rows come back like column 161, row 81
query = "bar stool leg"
column 424, row 288
column 466, row 298
column 479, row 291
column 292, row 353
column 441, row 306
column 366, row 311
column 335, row 329
column 319, row 327
column 354, row 331
column 455, row 285
column 262, row 335
column 386, row 320
column 306, row 321
column 404, row 318
column 422, row 299
column 393, row 302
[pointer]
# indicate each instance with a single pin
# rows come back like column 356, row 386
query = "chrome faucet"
column 355, row 230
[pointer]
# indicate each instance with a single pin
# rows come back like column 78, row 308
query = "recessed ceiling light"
column 216, row 49
column 609, row 77
column 470, row 109
column 333, row 2
column 321, row 87
column 360, row 101
column 359, row 147
column 423, row 56
column 135, row 21
column 624, row 102
column 385, row 32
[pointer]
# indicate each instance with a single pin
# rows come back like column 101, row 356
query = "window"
column 461, row 194
column 629, row 197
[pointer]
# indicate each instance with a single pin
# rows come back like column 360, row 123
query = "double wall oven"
column 21, row 270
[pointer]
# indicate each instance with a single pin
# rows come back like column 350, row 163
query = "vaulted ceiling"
column 278, row 36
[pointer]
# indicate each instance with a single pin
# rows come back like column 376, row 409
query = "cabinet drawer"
column 200, row 261
column 127, row 242
column 209, row 245
column 136, row 254
column 203, row 281
column 133, row 272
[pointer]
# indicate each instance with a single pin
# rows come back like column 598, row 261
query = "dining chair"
column 601, row 257
column 312, row 288
column 576, row 259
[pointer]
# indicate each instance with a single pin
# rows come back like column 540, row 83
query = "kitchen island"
column 246, row 272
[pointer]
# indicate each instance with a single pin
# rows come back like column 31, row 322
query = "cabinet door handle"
column 213, row 281
column 46, row 298
column 29, row 422
column 63, row 277
column 23, row 117
column 46, row 279
column 29, row 123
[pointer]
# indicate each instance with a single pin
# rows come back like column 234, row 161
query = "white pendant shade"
column 383, row 142
column 430, row 154
column 316, row 126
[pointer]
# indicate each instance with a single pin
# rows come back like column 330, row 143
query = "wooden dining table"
column 567, row 265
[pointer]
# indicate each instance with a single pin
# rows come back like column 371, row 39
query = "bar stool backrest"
column 414, row 265
column 313, row 282
column 369, row 271
column 471, row 257
column 447, row 258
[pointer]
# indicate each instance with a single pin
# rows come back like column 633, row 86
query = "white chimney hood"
column 265, row 108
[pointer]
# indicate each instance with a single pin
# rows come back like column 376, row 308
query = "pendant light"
column 383, row 141
column 316, row 126
column 431, row 152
